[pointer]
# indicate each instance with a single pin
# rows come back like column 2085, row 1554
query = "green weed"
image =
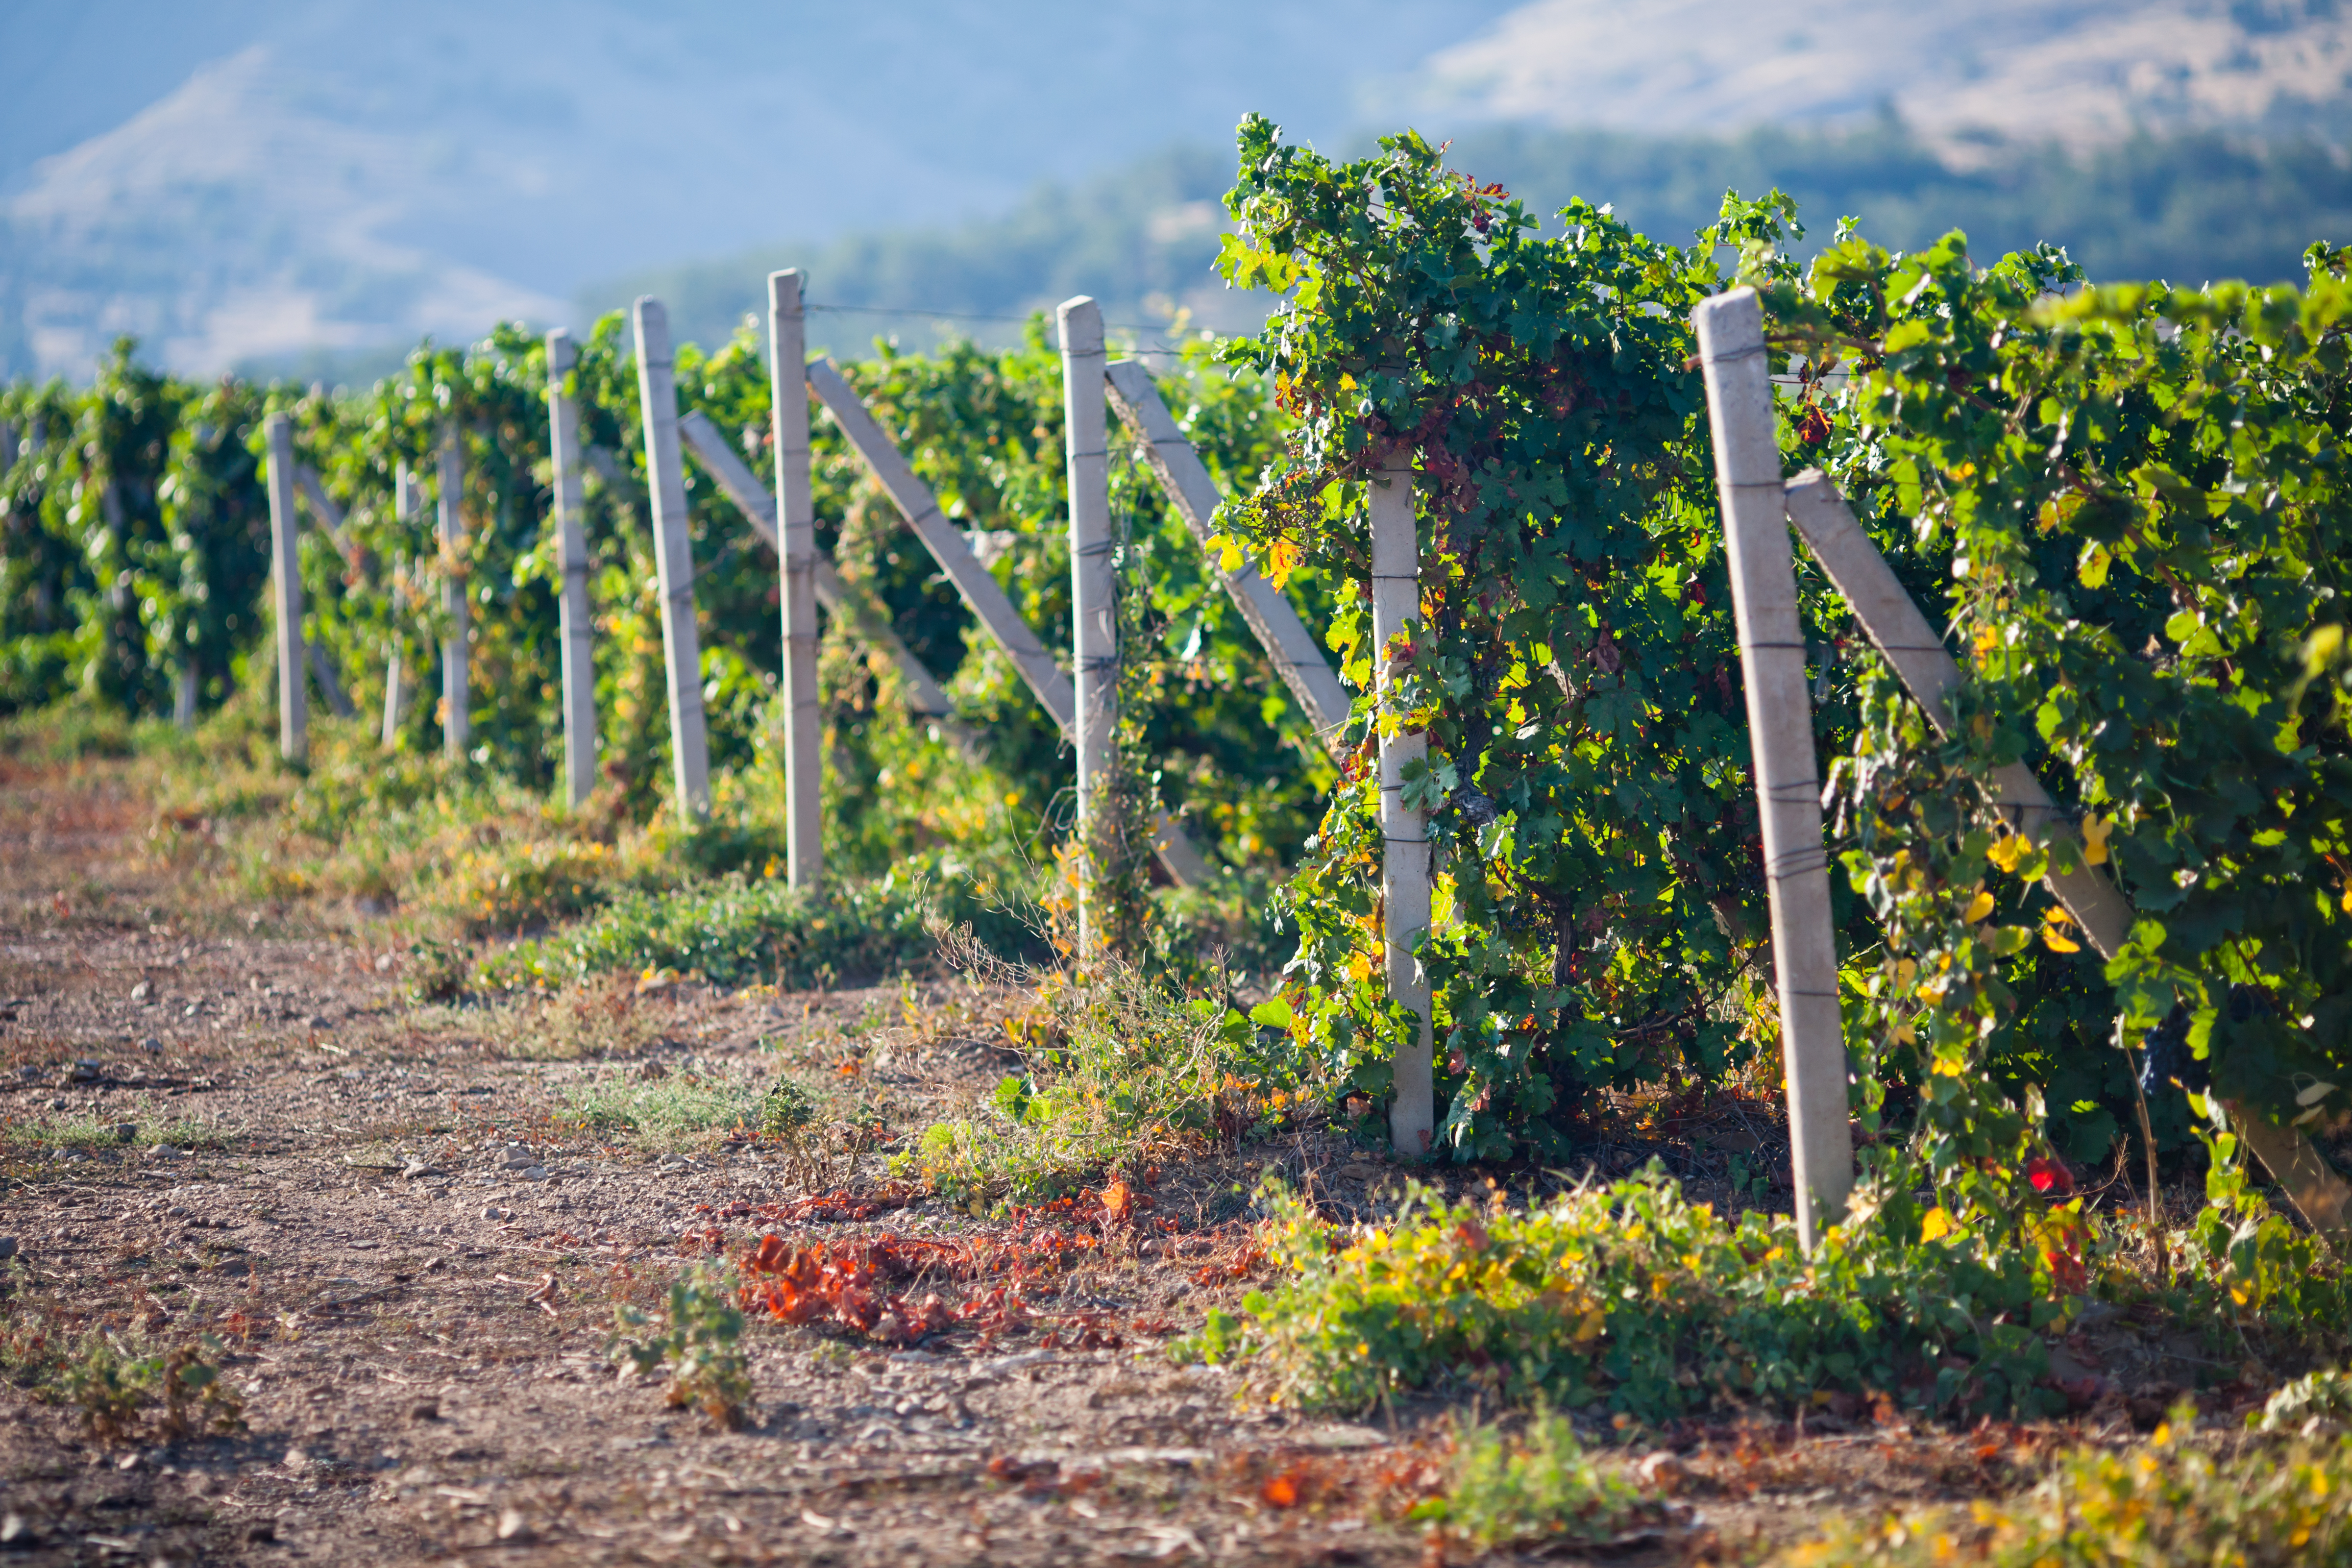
column 788, row 1107
column 699, row 1340
column 125, row 1389
column 1539, row 1487
column 2164, row 1502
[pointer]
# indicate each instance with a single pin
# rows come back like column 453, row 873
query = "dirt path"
column 408, row 1226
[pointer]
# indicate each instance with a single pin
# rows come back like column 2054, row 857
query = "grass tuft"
column 1119, row 1073
column 681, row 1110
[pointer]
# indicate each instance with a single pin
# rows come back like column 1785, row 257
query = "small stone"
column 7, row 1247
column 14, row 1531
column 534, row 1173
column 164, row 1150
column 141, row 992
column 150, row 1044
column 512, row 1526
column 519, row 1160
column 84, row 1072
column 128, row 1462
column 317, row 1021
column 296, row 1459
column 384, row 964
column 124, row 1131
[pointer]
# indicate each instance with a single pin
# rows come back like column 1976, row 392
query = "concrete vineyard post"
column 457, row 678
column 404, row 502
column 1895, row 626
column 1094, row 611
column 286, row 580
column 183, row 698
column 1787, row 776
column 796, row 556
column 1297, row 657
column 1404, row 830
column 673, row 559
column 578, row 632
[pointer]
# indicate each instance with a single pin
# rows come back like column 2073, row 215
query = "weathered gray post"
column 1094, row 587
column 672, row 558
column 1787, row 776
column 456, row 678
column 404, row 502
column 1404, row 830
column 571, row 555
column 286, row 579
column 796, row 556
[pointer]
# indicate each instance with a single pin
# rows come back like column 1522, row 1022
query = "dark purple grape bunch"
column 2166, row 1058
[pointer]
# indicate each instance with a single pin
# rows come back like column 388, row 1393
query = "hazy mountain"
column 333, row 172
column 319, row 182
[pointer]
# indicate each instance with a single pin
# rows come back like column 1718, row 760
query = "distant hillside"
column 2188, row 208
column 2083, row 72
column 311, row 186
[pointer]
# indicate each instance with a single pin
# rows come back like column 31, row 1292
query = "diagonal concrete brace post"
column 1895, row 626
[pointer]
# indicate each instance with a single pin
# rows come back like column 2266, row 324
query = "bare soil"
column 227, row 1119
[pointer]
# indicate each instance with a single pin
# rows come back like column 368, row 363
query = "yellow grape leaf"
column 1281, row 558
column 1902, row 1034
column 2057, row 941
column 1979, row 907
column 2095, row 838
column 1937, row 1224
column 2347, row 900
column 2006, row 852
column 1988, row 639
